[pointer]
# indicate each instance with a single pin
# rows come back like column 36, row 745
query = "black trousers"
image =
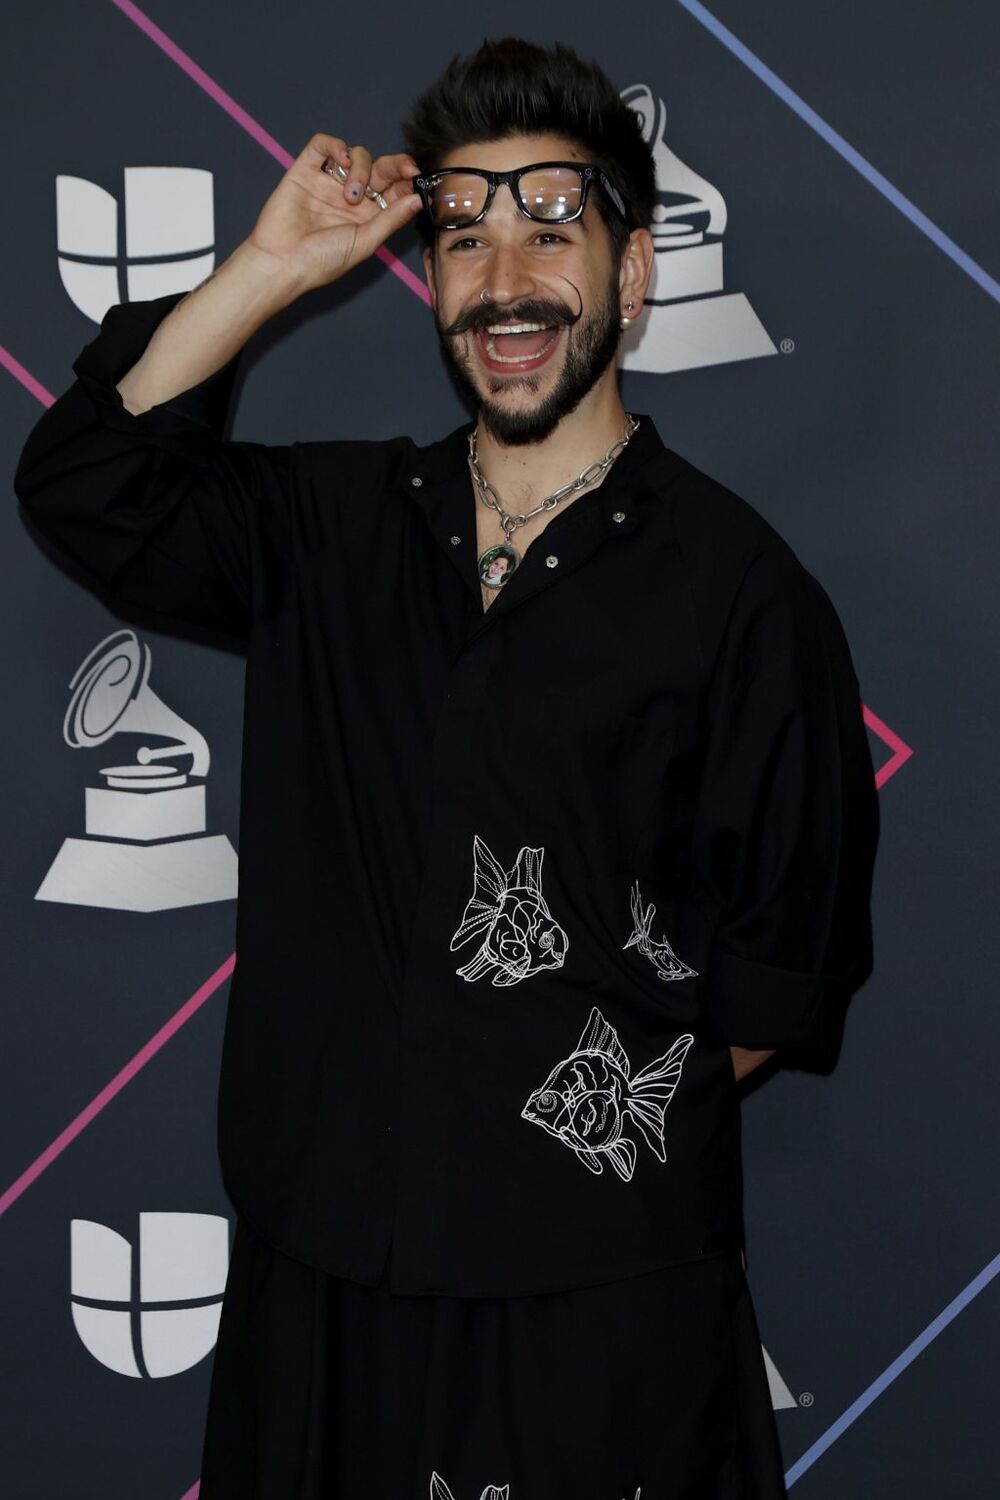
column 323, row 1389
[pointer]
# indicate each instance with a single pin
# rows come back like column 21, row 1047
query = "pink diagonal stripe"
column 34, row 387
column 225, row 101
column 125, row 1075
column 193, row 1492
column 901, row 751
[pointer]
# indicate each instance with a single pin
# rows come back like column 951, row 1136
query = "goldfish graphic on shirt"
column 661, row 955
column 520, row 936
column 590, row 1098
column 440, row 1491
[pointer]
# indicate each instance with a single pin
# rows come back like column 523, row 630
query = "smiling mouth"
column 516, row 346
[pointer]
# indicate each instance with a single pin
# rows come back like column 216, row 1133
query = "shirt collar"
column 437, row 475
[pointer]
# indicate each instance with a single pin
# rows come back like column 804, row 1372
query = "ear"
column 635, row 269
column 428, row 258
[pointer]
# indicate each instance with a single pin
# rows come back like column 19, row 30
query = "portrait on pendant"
column 496, row 565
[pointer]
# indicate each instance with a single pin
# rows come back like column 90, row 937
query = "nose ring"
column 482, row 295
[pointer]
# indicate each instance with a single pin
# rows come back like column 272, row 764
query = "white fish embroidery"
column 521, row 935
column 440, row 1491
column 587, row 1099
column 661, row 955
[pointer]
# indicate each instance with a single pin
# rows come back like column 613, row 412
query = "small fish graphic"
column 521, row 936
column 661, row 955
column 586, row 1098
column 440, row 1491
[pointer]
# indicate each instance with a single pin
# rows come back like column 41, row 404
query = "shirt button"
column 455, row 540
column 416, row 483
column 619, row 515
column 551, row 560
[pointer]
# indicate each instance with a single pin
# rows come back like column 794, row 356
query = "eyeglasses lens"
column 458, row 198
column 551, row 193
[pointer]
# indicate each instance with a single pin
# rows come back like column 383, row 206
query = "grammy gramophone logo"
column 688, row 319
column 145, row 846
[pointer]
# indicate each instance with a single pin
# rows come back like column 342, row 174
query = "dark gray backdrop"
column 855, row 150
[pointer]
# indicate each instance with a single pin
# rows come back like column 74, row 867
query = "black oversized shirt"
column 512, row 880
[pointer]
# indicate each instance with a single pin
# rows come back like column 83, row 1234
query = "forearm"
column 208, row 327
column 745, row 1059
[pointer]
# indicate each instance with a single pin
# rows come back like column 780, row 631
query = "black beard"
column 591, row 345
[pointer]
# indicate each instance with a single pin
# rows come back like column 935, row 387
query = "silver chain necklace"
column 497, row 563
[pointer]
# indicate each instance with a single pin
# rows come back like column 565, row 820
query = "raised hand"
column 320, row 227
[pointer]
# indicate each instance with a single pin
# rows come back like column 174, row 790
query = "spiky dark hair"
column 511, row 87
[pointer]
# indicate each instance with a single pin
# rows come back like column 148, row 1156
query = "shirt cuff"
column 760, row 1006
column 190, row 423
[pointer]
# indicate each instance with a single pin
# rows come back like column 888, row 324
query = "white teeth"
column 517, row 359
column 517, row 328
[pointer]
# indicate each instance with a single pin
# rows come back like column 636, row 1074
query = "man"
column 497, row 975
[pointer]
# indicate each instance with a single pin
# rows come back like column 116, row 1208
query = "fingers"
column 321, row 145
column 388, row 170
column 399, row 189
column 375, row 231
column 362, row 171
column 359, row 172
column 354, row 161
column 389, row 175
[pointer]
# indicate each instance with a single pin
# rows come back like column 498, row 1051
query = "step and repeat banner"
column 821, row 335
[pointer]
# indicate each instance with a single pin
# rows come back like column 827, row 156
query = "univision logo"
column 156, row 1313
column 161, row 239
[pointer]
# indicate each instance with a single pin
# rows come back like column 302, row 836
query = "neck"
column 526, row 473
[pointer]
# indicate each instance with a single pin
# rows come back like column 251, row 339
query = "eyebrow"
column 579, row 223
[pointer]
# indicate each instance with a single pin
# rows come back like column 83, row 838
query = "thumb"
column 378, row 229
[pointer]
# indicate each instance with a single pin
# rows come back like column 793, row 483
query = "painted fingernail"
column 354, row 191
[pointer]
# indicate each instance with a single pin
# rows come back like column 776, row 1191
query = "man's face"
column 558, row 283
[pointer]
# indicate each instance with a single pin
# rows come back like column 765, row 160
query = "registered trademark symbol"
column 806, row 1399
column 787, row 346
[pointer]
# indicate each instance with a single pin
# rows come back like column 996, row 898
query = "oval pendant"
column 497, row 564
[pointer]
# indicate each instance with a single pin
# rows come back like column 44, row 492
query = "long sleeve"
column 788, row 820
column 156, row 509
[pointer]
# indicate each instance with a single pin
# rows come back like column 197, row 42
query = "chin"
column 512, row 408
column 524, row 390
column 521, row 409
column 516, row 425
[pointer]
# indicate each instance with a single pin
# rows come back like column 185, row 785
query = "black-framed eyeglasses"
column 551, row 192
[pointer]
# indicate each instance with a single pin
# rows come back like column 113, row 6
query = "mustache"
column 551, row 312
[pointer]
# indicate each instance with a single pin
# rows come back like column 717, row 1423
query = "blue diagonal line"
column 890, row 1372
column 844, row 148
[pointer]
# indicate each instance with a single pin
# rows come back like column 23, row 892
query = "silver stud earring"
column 627, row 322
